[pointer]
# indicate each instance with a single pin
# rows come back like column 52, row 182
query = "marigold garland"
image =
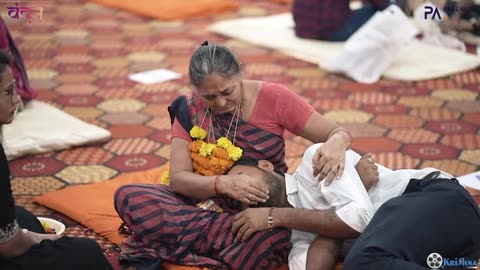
column 212, row 159
column 209, row 159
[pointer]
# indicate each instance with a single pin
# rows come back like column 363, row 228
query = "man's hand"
column 248, row 222
column 368, row 171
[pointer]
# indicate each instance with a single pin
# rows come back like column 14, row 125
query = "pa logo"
column 434, row 12
column 434, row 260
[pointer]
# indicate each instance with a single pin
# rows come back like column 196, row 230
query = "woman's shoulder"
column 273, row 87
column 273, row 91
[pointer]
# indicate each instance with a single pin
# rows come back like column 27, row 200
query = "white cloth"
column 371, row 50
column 347, row 196
column 414, row 62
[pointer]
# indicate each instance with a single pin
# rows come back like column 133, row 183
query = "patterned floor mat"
column 78, row 58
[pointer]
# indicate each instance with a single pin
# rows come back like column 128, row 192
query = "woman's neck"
column 250, row 90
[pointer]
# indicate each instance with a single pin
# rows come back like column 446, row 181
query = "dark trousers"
column 69, row 253
column 432, row 216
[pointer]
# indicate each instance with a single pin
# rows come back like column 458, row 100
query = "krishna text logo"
column 435, row 261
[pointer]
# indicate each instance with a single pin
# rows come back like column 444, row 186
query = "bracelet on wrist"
column 215, row 183
column 270, row 219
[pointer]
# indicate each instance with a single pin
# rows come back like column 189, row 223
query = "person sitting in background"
column 7, row 44
column 463, row 16
column 332, row 20
column 24, row 245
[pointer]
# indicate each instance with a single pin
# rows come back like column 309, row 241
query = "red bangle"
column 215, row 183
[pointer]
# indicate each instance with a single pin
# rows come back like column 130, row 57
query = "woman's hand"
column 329, row 161
column 248, row 222
column 37, row 238
column 244, row 188
column 22, row 242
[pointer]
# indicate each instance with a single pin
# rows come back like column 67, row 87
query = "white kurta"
column 347, row 196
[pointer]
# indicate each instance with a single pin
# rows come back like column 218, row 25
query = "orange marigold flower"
column 220, row 153
column 195, row 145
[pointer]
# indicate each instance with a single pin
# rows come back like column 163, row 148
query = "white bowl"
column 54, row 224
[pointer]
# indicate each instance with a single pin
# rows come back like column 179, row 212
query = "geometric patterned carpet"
column 79, row 57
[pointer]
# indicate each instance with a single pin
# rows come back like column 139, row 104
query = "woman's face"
column 8, row 97
column 221, row 94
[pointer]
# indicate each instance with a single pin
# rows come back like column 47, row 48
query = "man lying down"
column 409, row 219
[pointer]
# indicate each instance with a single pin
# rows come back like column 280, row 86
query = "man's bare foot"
column 367, row 170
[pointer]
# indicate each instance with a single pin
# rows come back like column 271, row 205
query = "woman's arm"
column 329, row 160
column 184, row 181
column 319, row 129
column 22, row 242
column 15, row 241
column 182, row 178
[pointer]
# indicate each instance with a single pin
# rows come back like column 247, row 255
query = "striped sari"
column 167, row 226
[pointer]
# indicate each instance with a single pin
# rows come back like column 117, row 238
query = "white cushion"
column 41, row 128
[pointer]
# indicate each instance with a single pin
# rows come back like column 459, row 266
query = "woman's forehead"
column 216, row 82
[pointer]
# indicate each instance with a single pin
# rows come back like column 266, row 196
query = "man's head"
column 264, row 170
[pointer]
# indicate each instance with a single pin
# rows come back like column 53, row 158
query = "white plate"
column 54, row 224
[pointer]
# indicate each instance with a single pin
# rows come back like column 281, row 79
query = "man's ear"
column 265, row 165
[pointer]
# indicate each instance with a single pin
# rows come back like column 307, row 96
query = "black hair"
column 248, row 161
column 4, row 61
column 275, row 181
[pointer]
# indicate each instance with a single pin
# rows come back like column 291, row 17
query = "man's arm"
column 322, row 222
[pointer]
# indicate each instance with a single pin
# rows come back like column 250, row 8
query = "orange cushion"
column 92, row 204
column 282, row 1
column 172, row 10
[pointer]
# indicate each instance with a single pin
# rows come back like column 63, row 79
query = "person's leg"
column 323, row 253
column 165, row 226
column 171, row 227
column 358, row 18
column 391, row 240
column 27, row 220
column 64, row 253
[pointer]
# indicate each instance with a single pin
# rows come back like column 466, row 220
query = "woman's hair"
column 212, row 58
column 4, row 61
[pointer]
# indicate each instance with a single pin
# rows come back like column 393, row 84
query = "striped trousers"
column 169, row 227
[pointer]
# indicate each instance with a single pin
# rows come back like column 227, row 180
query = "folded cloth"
column 372, row 49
